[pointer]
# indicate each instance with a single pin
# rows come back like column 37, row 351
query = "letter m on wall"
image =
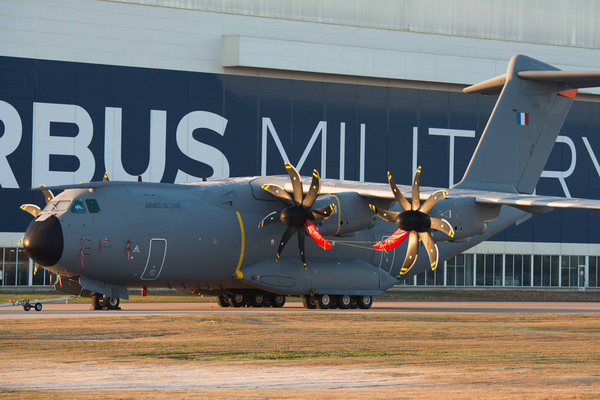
column 321, row 129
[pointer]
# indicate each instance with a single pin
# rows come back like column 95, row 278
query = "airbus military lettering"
column 46, row 145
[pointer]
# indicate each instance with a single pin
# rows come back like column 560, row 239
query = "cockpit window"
column 54, row 206
column 78, row 207
column 92, row 206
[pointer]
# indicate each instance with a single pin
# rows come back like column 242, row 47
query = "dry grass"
column 396, row 355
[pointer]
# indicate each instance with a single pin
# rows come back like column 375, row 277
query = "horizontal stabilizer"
column 571, row 79
column 489, row 87
column 568, row 79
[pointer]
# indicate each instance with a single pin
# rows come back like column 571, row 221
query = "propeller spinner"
column 413, row 222
column 298, row 215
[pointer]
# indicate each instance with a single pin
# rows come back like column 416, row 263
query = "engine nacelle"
column 466, row 217
column 352, row 213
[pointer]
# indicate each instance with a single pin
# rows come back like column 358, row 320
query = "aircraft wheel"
column 309, row 302
column 26, row 307
column 343, row 302
column 96, row 300
column 257, row 300
column 323, row 301
column 333, row 304
column 364, row 302
column 238, row 300
column 222, row 301
column 353, row 303
column 38, row 306
column 112, row 303
column 277, row 300
column 102, row 301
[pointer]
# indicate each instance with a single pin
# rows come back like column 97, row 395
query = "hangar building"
column 351, row 88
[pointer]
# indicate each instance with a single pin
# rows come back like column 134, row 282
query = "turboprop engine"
column 349, row 216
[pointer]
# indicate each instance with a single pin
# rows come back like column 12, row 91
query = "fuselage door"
column 156, row 259
column 384, row 260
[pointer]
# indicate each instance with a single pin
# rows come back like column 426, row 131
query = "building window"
column 537, row 270
column 22, row 268
column 439, row 274
column 430, row 275
column 509, row 271
column 451, row 272
column 593, row 272
column 480, row 270
column 10, row 267
column 573, row 271
column 527, row 270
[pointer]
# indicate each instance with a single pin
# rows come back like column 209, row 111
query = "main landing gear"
column 343, row 302
column 102, row 302
column 318, row 301
column 251, row 300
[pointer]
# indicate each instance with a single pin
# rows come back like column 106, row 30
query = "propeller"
column 298, row 214
column 413, row 222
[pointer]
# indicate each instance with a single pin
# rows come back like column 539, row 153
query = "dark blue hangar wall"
column 64, row 122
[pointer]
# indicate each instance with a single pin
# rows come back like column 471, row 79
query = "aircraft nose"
column 43, row 241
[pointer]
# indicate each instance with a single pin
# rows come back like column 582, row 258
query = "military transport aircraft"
column 227, row 237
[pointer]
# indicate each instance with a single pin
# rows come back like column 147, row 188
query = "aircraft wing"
column 535, row 204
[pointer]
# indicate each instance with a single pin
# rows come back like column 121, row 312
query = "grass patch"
column 441, row 355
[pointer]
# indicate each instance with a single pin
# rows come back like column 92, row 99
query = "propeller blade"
column 31, row 209
column 320, row 214
column 393, row 241
column 432, row 250
column 398, row 194
column 105, row 179
column 269, row 219
column 301, row 247
column 313, row 191
column 411, row 253
column 280, row 193
column 296, row 183
column 21, row 242
column 440, row 224
column 432, row 200
column 48, row 195
column 416, row 201
column 386, row 215
column 289, row 232
column 312, row 231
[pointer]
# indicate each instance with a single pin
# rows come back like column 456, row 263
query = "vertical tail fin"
column 534, row 101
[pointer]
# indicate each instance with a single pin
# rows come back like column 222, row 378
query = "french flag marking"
column 522, row 118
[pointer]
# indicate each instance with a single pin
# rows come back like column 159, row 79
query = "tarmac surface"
column 73, row 310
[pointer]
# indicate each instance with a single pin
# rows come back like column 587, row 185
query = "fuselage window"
column 92, row 206
column 78, row 207
column 62, row 205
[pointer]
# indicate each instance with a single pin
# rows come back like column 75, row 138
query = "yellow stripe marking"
column 339, row 214
column 238, row 273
